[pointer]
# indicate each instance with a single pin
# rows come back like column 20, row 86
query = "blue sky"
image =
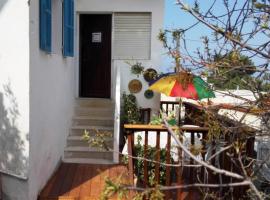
column 177, row 18
column 174, row 16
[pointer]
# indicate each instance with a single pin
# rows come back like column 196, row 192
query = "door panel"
column 95, row 55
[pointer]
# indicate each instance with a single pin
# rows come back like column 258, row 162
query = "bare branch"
column 219, row 152
column 216, row 170
column 222, row 32
column 164, row 188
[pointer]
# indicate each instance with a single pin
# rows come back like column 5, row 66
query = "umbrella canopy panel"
column 170, row 85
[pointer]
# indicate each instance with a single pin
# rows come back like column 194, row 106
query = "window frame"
column 68, row 28
column 45, row 25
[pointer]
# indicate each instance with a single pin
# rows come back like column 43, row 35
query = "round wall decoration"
column 150, row 74
column 148, row 94
column 135, row 86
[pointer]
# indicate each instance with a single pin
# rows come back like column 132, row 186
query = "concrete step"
column 93, row 121
column 95, row 102
column 85, row 149
column 77, row 141
column 79, row 130
column 88, row 161
column 87, row 152
column 92, row 115
column 94, row 111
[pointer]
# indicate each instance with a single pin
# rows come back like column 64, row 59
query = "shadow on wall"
column 2, row 3
column 12, row 160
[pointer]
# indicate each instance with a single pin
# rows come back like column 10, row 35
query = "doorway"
column 95, row 55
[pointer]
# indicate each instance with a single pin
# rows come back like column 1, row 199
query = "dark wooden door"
column 95, row 55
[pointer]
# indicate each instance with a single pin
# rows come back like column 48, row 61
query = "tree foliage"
column 233, row 71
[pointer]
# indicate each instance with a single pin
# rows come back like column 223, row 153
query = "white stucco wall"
column 51, row 100
column 14, row 97
column 156, row 7
column 50, row 80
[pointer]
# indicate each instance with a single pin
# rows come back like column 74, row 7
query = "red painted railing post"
column 130, row 135
column 145, row 163
column 157, row 167
column 168, row 161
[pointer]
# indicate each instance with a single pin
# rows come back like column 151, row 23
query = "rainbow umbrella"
column 182, row 85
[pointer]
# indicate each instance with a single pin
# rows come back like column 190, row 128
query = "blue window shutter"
column 45, row 25
column 68, row 28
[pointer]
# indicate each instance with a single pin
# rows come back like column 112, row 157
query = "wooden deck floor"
column 79, row 181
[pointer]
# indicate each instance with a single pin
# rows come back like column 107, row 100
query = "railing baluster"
column 250, row 147
column 130, row 129
column 130, row 135
column 148, row 115
column 167, row 106
column 213, row 161
column 145, row 163
column 179, row 171
column 191, row 169
column 132, row 140
column 157, row 166
column 212, row 177
column 192, row 141
column 145, row 115
column 204, row 136
column 168, row 161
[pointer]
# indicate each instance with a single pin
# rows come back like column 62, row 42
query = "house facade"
column 57, row 59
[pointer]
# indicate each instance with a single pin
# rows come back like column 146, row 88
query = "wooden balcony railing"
column 167, row 106
column 176, row 172
column 182, row 170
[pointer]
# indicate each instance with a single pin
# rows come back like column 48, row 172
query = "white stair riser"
column 88, row 161
column 93, row 122
column 95, row 103
column 94, row 112
column 80, row 132
column 83, row 143
column 88, row 154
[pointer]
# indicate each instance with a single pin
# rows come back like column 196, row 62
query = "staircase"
column 90, row 115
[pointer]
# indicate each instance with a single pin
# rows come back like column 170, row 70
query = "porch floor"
column 80, row 181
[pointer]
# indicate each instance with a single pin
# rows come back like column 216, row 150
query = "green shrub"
column 131, row 112
column 139, row 164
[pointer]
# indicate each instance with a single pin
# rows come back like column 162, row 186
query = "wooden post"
column 179, row 114
column 204, row 136
column 130, row 153
column 191, row 161
column 145, row 163
column 191, row 169
column 157, row 167
column 180, row 192
column 168, row 161
column 212, row 176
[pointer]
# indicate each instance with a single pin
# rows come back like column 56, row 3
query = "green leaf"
column 265, row 26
